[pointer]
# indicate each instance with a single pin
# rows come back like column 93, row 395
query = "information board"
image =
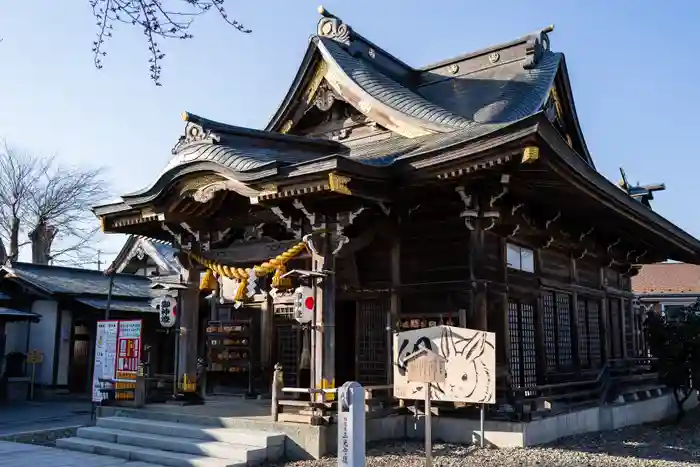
column 117, row 353
column 105, row 355
column 129, row 350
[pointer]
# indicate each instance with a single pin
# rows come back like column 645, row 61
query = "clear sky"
column 631, row 63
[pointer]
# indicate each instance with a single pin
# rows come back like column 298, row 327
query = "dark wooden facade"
column 461, row 193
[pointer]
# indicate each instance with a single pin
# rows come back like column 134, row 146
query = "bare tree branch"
column 156, row 20
column 50, row 203
column 18, row 172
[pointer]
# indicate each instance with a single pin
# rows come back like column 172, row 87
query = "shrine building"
column 461, row 192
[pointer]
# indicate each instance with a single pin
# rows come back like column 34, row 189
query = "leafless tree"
column 18, row 172
column 49, row 204
column 158, row 19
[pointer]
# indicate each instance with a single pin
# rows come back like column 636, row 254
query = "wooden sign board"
column 469, row 364
column 34, row 357
column 428, row 367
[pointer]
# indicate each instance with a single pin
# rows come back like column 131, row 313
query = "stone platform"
column 303, row 441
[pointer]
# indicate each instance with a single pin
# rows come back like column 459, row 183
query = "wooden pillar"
column 266, row 333
column 621, row 324
column 575, row 331
column 604, row 328
column 479, row 306
column 188, row 312
column 395, row 303
column 323, row 341
column 505, row 338
column 633, row 312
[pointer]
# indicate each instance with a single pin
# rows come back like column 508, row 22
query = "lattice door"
column 583, row 334
column 550, row 333
column 564, row 354
column 596, row 354
column 288, row 340
column 523, row 351
column 514, row 331
column 372, row 345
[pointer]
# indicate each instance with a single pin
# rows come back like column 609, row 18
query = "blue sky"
column 631, row 64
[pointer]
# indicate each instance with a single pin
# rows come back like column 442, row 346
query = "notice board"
column 117, row 353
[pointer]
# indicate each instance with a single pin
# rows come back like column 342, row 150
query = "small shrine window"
column 520, row 258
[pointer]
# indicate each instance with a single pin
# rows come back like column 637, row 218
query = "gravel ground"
column 662, row 445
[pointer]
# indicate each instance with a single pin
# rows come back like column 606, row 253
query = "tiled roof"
column 670, row 278
column 74, row 281
column 391, row 93
column 10, row 314
column 497, row 94
column 139, row 306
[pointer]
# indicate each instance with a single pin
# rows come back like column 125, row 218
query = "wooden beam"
column 395, row 301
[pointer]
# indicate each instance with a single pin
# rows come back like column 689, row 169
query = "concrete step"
column 238, row 452
column 135, row 453
column 181, row 430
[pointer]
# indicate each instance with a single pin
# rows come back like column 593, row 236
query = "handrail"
column 607, row 366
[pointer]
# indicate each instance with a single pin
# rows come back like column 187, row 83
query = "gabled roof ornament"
column 642, row 193
column 537, row 45
column 332, row 27
column 194, row 131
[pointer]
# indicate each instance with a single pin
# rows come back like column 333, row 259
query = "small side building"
column 67, row 303
column 667, row 287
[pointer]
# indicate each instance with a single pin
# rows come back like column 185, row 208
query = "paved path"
column 22, row 455
column 32, row 416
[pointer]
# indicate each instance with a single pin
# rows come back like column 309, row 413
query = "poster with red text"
column 128, row 350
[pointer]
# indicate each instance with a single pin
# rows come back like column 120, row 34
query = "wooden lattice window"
column 523, row 351
column 564, row 354
column 589, row 333
column 583, row 336
column 556, row 317
column 550, row 332
column 615, row 328
column 514, row 335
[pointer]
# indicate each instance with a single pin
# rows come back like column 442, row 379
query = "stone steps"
column 176, row 444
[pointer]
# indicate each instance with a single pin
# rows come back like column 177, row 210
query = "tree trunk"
column 42, row 238
column 14, row 239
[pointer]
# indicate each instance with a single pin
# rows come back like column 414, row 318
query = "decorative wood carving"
column 385, row 209
column 339, row 183
column 206, row 193
column 309, row 215
column 493, row 214
column 287, row 221
column 471, row 211
column 325, row 97
column 342, row 222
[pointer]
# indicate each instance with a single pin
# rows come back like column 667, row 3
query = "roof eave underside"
column 297, row 87
column 566, row 82
column 591, row 180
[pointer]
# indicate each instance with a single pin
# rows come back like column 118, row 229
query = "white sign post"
column 351, row 425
